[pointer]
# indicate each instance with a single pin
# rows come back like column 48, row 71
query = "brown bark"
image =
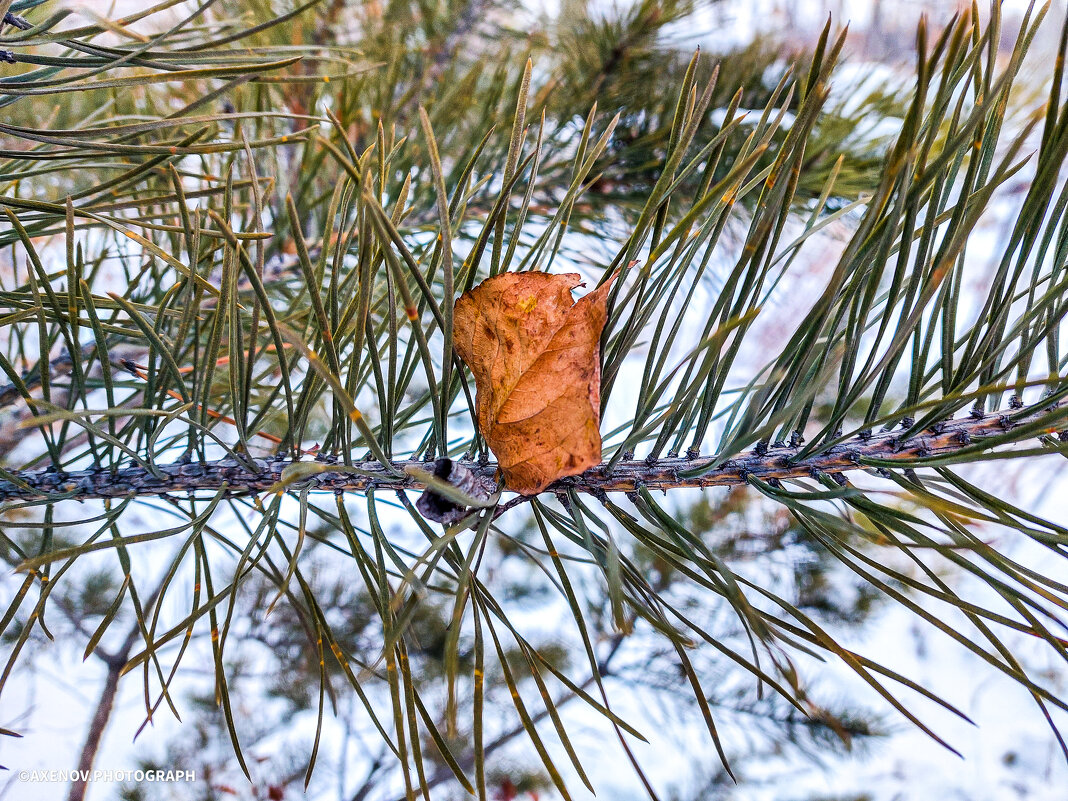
column 98, row 725
column 95, row 733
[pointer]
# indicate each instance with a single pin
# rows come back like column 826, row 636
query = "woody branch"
column 255, row 475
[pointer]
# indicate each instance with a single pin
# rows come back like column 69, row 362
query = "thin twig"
column 60, row 366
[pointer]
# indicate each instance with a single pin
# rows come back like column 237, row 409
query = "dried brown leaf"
column 535, row 355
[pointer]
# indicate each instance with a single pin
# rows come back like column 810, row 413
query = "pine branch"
column 864, row 451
